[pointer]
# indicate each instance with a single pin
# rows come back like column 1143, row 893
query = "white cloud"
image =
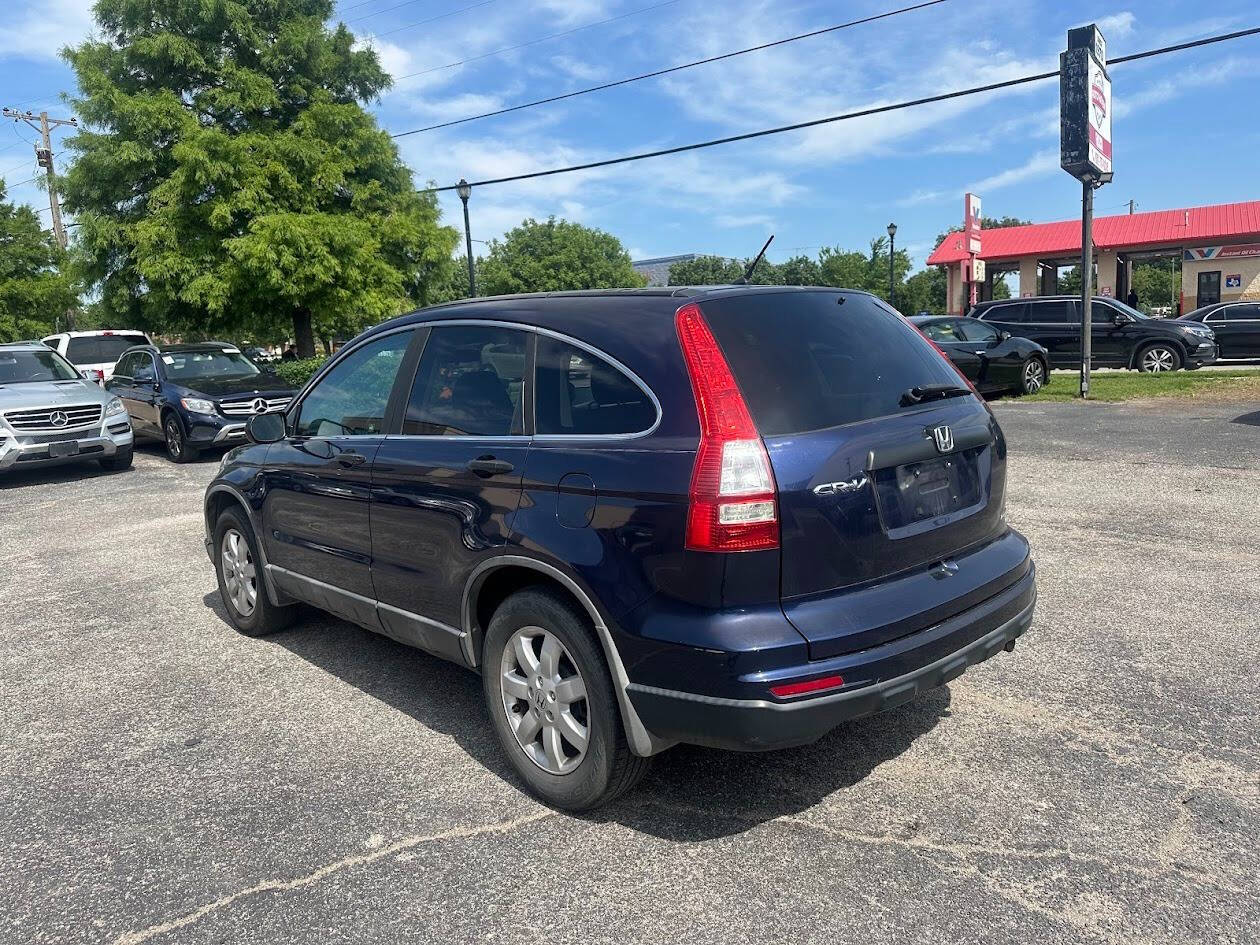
column 1040, row 164
column 43, row 28
column 1116, row 24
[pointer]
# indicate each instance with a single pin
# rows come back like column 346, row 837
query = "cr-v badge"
column 839, row 488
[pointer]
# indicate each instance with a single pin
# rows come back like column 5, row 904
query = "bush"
column 298, row 373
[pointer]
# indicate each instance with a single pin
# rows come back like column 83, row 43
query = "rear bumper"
column 758, row 725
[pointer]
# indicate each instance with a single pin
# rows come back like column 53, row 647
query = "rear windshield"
column 810, row 360
column 101, row 349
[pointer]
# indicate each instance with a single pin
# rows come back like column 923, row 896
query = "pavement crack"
column 358, row 859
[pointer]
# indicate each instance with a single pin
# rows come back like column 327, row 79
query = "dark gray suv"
column 1122, row 336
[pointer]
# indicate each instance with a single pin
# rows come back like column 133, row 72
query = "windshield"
column 19, row 367
column 189, row 365
column 1127, row 309
column 101, row 349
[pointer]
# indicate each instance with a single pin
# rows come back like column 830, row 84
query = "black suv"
column 1121, row 336
column 732, row 517
column 194, row 396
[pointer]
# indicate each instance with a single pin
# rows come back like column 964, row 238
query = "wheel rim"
column 1157, row 360
column 1034, row 376
column 173, row 443
column 544, row 698
column 239, row 577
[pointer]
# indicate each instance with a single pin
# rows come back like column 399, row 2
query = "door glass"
column 470, row 383
column 124, row 369
column 1015, row 313
column 942, row 332
column 579, row 393
column 143, row 368
column 350, row 400
column 1242, row 313
column 977, row 332
column 1101, row 314
column 1052, row 312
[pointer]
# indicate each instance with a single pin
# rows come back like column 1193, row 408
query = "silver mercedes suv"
column 50, row 415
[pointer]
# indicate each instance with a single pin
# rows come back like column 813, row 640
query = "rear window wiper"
column 918, row 395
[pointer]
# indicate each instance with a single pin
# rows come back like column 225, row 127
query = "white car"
column 95, row 353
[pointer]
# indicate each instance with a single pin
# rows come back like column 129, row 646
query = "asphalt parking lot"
column 165, row 779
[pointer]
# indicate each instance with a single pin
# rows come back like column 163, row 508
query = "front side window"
column 350, row 400
column 977, row 332
column 577, row 393
column 470, row 382
column 142, row 369
column 125, row 366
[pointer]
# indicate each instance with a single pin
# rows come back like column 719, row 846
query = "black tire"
column 178, row 449
column 608, row 769
column 120, row 460
column 265, row 617
column 1146, row 358
column 1028, row 383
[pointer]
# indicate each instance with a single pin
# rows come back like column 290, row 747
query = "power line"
column 535, row 42
column 432, row 19
column 678, row 68
column 396, row 6
column 862, row 113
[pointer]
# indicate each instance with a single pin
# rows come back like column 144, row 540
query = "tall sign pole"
column 971, row 233
column 1085, row 152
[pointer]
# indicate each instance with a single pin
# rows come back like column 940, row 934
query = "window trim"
column 531, row 436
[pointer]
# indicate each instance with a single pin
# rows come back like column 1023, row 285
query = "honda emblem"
column 944, row 438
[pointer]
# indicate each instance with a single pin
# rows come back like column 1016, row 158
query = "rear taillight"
column 733, row 503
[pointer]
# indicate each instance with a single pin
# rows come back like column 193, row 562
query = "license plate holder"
column 63, row 449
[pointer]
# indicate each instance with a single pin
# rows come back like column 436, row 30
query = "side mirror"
column 265, row 428
column 1005, row 336
column 1119, row 318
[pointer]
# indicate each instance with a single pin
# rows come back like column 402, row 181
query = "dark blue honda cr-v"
column 732, row 517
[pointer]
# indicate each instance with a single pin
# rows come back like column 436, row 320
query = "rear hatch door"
column 890, row 478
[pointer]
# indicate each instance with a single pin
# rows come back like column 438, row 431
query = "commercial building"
column 1219, row 249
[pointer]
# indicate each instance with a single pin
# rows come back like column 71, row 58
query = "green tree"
column 229, row 180
column 1157, row 283
column 35, row 285
column 709, row 270
column 554, row 256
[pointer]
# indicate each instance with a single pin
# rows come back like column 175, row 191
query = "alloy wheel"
column 239, row 576
column 1158, row 359
column 174, row 441
column 545, row 700
column 1034, row 376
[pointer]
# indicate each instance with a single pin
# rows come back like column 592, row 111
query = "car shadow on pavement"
column 49, row 475
column 1251, row 419
column 690, row 794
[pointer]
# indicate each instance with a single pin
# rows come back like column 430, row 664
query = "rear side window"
column 1242, row 313
column 806, row 360
column 579, row 393
column 469, row 383
column 101, row 349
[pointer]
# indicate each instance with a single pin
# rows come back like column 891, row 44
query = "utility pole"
column 44, row 157
column 1132, row 206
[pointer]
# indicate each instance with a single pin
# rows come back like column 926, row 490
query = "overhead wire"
column 846, row 116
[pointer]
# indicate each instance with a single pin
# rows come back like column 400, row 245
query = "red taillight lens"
column 812, row 685
column 733, row 503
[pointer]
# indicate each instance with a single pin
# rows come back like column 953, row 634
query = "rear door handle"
column 351, row 458
column 489, row 466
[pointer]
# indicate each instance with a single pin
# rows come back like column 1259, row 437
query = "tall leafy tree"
column 229, row 180
column 711, row 270
column 35, row 286
column 554, row 256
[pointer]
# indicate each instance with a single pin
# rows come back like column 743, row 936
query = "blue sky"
column 1184, row 124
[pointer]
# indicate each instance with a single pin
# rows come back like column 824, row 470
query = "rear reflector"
column 813, row 685
column 733, row 503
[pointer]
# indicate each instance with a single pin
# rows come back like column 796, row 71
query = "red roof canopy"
column 1224, row 223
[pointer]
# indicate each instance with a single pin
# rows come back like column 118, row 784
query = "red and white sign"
column 1099, row 117
column 971, row 222
column 1222, row 252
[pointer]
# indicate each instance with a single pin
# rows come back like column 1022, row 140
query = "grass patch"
column 1233, row 384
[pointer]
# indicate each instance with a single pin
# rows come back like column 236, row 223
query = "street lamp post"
column 464, row 189
column 892, row 246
